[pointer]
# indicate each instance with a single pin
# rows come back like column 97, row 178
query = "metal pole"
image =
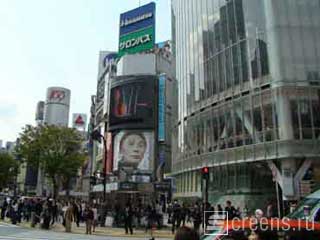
column 104, row 168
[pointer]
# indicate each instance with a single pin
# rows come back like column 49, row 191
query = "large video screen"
column 133, row 102
column 133, row 150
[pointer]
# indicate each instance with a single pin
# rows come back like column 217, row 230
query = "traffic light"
column 205, row 172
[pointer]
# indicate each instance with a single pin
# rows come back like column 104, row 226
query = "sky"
column 47, row 43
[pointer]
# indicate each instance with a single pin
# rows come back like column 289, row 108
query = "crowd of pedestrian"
column 48, row 212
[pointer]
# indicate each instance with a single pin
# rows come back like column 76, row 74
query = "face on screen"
column 133, row 147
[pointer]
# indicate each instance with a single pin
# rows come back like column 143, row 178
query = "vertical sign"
column 161, row 108
column 109, row 156
column 137, row 30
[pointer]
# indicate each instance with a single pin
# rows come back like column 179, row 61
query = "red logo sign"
column 79, row 120
column 57, row 95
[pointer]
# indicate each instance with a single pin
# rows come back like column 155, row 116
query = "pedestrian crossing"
column 8, row 225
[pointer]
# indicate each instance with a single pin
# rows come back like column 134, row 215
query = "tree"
column 57, row 150
column 8, row 169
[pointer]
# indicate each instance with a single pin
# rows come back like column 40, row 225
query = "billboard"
column 133, row 102
column 133, row 150
column 137, row 41
column 58, row 95
column 109, row 160
column 137, row 30
column 79, row 120
column 138, row 18
column 161, row 107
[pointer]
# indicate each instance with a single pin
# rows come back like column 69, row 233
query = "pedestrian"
column 176, row 215
column 95, row 217
column 186, row 233
column 128, row 215
column 14, row 212
column 88, row 216
column 230, row 210
column 76, row 213
column 219, row 209
column 271, row 213
column 4, row 209
column 197, row 217
column 46, row 216
column 68, row 217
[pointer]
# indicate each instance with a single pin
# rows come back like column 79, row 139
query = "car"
column 308, row 208
column 265, row 229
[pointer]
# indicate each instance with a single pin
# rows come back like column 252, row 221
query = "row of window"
column 269, row 115
column 227, row 179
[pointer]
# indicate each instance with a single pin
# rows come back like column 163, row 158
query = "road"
column 12, row 232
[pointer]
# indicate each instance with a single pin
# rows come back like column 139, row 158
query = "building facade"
column 249, row 93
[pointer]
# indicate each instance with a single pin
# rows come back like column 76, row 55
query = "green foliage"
column 8, row 169
column 57, row 150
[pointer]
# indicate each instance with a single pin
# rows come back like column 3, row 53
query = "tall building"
column 56, row 109
column 249, row 95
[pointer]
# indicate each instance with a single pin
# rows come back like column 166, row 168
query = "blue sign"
column 162, row 158
column 161, row 108
column 137, row 18
column 108, row 58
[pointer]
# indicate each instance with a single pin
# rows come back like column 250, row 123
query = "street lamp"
column 97, row 136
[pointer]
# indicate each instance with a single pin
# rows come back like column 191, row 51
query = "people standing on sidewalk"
column 128, row 217
column 88, row 216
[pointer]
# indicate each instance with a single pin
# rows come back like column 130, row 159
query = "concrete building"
column 249, row 84
column 56, row 109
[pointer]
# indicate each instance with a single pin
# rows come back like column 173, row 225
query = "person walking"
column 231, row 211
column 128, row 215
column 4, row 209
column 95, row 217
column 88, row 216
column 197, row 217
column 176, row 215
column 69, row 217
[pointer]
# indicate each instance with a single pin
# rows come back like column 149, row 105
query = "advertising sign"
column 109, row 160
column 137, row 29
column 138, row 41
column 133, row 150
column 58, row 95
column 133, row 101
column 79, row 120
column 137, row 18
column 161, row 107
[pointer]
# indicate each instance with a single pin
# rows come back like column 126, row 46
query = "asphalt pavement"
column 13, row 232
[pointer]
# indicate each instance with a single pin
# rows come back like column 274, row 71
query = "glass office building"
column 249, row 98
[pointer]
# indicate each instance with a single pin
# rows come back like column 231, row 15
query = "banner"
column 161, row 108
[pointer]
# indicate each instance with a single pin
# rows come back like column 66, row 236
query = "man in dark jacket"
column 128, row 215
column 176, row 215
column 230, row 210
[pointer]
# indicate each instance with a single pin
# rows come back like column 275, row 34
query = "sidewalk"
column 106, row 231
